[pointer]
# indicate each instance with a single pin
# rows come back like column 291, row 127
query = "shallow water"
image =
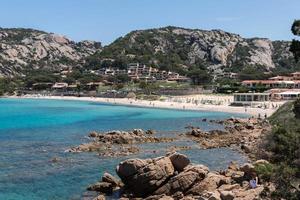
column 32, row 132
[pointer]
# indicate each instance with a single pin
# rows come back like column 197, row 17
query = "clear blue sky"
column 106, row 20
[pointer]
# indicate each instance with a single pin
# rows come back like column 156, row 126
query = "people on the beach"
column 254, row 181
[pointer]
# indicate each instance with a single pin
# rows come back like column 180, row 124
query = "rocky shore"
column 119, row 143
column 173, row 177
column 241, row 134
column 245, row 134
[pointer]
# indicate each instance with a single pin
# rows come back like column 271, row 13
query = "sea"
column 35, row 131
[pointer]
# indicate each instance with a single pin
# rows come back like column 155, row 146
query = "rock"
column 159, row 197
column 103, row 187
column 183, row 181
column 150, row 132
column 210, row 183
column 227, row 195
column 179, row 161
column 100, row 197
column 158, row 179
column 110, row 179
column 248, row 169
column 215, row 196
column 143, row 177
column 233, row 166
column 246, row 148
column 93, row 134
column 249, row 194
column 261, row 162
column 229, row 187
column 55, row 159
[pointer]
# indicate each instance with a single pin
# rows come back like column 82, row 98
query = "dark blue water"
column 32, row 132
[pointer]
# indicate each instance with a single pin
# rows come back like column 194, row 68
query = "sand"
column 211, row 102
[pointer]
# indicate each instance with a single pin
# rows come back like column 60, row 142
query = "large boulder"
column 183, row 181
column 143, row 177
column 210, row 183
column 179, row 161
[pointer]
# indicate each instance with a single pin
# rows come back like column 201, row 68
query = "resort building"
column 291, row 82
column 60, row 86
column 284, row 94
column 138, row 71
column 250, row 98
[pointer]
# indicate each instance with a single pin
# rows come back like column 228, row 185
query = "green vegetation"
column 283, row 143
column 39, row 76
column 199, row 76
column 265, row 171
column 252, row 73
column 7, row 86
column 295, row 46
column 148, row 88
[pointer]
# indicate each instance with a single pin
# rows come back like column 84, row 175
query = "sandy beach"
column 216, row 103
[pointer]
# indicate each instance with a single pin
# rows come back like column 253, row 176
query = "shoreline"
column 255, row 112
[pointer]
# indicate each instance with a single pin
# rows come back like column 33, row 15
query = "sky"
column 106, row 20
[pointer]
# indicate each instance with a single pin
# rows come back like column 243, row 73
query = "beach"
column 201, row 102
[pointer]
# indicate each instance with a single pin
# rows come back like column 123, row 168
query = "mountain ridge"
column 170, row 48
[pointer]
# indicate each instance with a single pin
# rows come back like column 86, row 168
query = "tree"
column 252, row 73
column 148, row 87
column 199, row 76
column 295, row 46
column 122, row 78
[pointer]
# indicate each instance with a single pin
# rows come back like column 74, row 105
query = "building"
column 291, row 82
column 281, row 78
column 60, row 86
column 272, row 84
column 289, row 95
column 138, row 71
column 250, row 98
column 284, row 94
column 296, row 75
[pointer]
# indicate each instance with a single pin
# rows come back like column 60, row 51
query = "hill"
column 22, row 49
column 168, row 48
column 178, row 49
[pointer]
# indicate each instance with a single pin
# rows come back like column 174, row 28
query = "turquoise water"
column 32, row 132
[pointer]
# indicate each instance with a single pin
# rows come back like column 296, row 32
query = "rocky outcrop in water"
column 119, row 143
column 174, row 177
column 244, row 133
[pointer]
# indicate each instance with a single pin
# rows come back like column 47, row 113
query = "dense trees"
column 7, row 86
column 39, row 76
column 283, row 144
column 252, row 73
column 295, row 46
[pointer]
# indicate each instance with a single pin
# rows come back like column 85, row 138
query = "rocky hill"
column 177, row 48
column 170, row 48
column 30, row 49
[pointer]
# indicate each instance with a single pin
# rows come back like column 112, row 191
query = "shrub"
column 296, row 108
column 264, row 171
